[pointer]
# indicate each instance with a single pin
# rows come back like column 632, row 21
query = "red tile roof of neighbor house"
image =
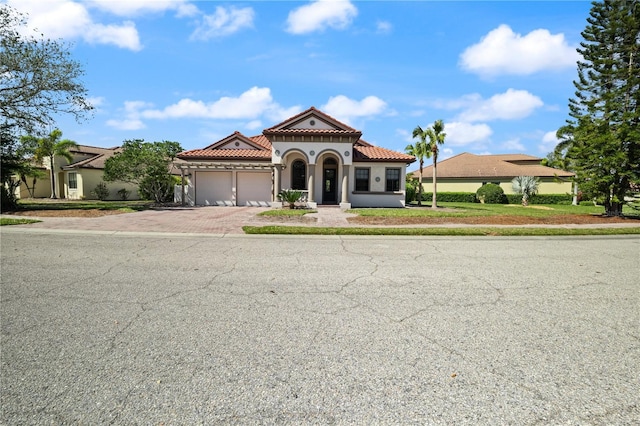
column 468, row 165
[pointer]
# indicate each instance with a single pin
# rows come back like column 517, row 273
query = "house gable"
column 312, row 125
column 235, row 141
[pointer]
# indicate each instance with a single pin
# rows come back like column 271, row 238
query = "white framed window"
column 73, row 180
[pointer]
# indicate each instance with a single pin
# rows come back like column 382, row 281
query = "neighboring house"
column 311, row 152
column 467, row 172
column 76, row 180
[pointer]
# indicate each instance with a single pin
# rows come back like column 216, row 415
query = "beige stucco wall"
column 88, row 179
column 313, row 152
column 547, row 185
column 377, row 195
column 42, row 188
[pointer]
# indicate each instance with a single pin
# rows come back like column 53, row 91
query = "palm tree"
column 420, row 151
column 435, row 135
column 525, row 185
column 50, row 147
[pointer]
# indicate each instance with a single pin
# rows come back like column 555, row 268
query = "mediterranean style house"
column 311, row 152
column 77, row 179
column 467, row 172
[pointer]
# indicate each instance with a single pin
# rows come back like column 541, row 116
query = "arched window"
column 298, row 175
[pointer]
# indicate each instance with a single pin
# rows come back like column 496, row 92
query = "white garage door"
column 254, row 188
column 214, row 189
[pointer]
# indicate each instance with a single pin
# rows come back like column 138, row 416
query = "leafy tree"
column 525, row 185
column 38, row 78
column 603, row 133
column 432, row 137
column 13, row 164
column 421, row 151
column 49, row 147
column 145, row 164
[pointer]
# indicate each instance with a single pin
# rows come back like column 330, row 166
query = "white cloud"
column 460, row 133
column 548, row 142
column 513, row 145
column 249, row 105
column 383, row 27
column 131, row 121
column 502, row 51
column 139, row 7
column 224, row 22
column 321, row 14
column 254, row 124
column 96, row 101
column 511, row 105
column 69, row 20
column 126, row 124
column 346, row 109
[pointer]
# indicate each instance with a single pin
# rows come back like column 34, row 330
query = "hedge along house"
column 311, row 152
column 467, row 172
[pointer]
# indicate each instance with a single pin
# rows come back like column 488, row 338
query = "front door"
column 329, row 186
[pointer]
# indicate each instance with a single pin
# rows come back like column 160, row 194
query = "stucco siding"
column 377, row 196
column 547, row 186
column 88, row 180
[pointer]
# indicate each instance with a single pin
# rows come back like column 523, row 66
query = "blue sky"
column 498, row 73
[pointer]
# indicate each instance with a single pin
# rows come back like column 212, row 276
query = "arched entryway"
column 329, row 181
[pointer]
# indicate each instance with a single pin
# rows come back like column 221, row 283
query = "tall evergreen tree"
column 603, row 133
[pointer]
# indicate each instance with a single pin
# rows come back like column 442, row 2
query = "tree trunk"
column 434, row 203
column 53, row 179
column 420, row 185
column 613, row 208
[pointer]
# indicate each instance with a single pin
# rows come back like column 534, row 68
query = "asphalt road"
column 156, row 329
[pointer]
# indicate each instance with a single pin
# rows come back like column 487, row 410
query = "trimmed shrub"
column 542, row 199
column 491, row 194
column 451, row 197
column 101, row 192
column 124, row 194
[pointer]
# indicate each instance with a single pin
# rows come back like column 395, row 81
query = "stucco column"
column 345, row 185
column 183, row 192
column 277, row 170
column 311, row 183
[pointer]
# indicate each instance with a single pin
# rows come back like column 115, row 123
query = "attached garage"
column 214, row 188
column 253, row 188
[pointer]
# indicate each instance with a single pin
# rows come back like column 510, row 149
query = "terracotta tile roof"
column 468, row 165
column 375, row 153
column 362, row 150
column 309, row 132
column 262, row 141
column 226, row 154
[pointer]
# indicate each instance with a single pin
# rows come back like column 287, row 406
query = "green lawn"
column 9, row 221
column 441, row 231
column 137, row 205
column 473, row 209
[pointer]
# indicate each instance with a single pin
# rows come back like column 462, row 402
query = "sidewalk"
column 230, row 220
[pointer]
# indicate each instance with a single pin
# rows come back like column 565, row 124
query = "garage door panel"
column 254, row 188
column 214, row 188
